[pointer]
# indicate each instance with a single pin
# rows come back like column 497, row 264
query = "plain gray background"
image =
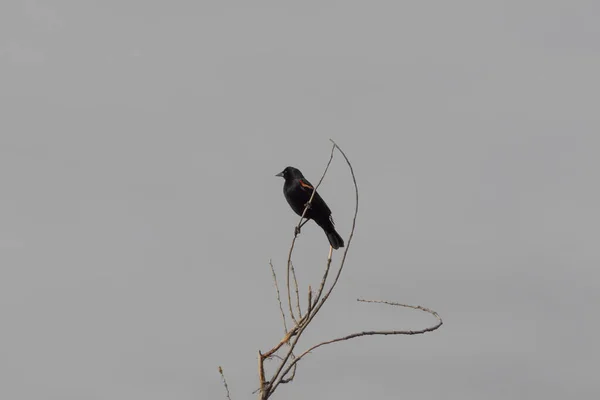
column 138, row 144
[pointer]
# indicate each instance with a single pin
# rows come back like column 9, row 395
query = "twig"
column 323, row 280
column 224, row 382
column 342, row 262
column 283, row 341
column 309, row 306
column 371, row 333
column 285, row 330
column 297, row 292
column 337, row 277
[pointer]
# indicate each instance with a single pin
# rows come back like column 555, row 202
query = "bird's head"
column 290, row 173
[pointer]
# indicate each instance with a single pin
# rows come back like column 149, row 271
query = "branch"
column 224, row 382
column 278, row 297
column 297, row 292
column 372, row 333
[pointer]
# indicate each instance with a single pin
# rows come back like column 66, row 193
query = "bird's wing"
column 305, row 184
column 318, row 202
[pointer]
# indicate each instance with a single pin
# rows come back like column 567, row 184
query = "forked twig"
column 372, row 333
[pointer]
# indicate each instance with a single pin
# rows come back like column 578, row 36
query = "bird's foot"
column 308, row 206
column 296, row 231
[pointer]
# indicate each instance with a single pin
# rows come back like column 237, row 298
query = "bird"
column 297, row 191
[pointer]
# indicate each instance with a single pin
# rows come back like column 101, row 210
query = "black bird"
column 297, row 191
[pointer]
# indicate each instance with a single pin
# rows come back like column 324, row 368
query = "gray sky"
column 138, row 144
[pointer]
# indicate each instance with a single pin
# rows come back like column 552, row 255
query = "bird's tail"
column 335, row 240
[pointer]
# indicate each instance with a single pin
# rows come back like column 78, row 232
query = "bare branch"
column 337, row 277
column 283, row 341
column 371, row 333
column 297, row 292
column 224, row 382
column 261, row 375
column 323, row 280
column 285, row 330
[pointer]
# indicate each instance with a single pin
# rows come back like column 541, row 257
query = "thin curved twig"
column 323, row 280
column 372, row 333
column 337, row 277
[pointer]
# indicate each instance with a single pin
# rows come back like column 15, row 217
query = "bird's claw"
column 296, row 231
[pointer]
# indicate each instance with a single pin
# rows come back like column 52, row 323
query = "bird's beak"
column 280, row 174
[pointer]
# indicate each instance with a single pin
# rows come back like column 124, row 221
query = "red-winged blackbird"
column 297, row 191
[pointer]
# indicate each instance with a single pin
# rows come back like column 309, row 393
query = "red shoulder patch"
column 305, row 185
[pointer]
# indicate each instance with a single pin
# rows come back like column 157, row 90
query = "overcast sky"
column 139, row 209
